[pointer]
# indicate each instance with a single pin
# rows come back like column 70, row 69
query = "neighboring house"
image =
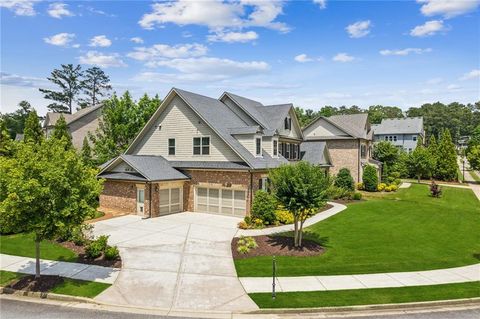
column 348, row 139
column 79, row 123
column 404, row 133
column 202, row 154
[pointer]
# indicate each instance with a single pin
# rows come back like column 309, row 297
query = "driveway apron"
column 179, row 261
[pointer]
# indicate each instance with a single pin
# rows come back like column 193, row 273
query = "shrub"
column 263, row 207
column 335, row 192
column 242, row 225
column 344, row 180
column 360, row 186
column 245, row 244
column 435, row 190
column 94, row 249
column 370, row 178
column 284, row 216
column 381, row 187
column 111, row 253
column 102, row 241
column 388, row 189
column 248, row 220
column 357, row 196
column 258, row 223
column 393, row 187
column 243, row 249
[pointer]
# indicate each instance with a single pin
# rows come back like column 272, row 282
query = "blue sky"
column 309, row 53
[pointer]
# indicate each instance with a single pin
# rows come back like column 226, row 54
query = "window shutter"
column 260, row 183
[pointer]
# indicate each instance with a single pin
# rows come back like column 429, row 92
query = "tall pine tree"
column 96, row 85
column 433, row 150
column 68, row 78
column 447, row 158
column 33, row 132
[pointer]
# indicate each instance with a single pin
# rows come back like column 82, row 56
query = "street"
column 15, row 309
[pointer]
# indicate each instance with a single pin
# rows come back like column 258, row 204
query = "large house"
column 404, row 133
column 79, row 123
column 348, row 139
column 202, row 154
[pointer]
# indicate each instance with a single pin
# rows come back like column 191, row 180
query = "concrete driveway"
column 179, row 261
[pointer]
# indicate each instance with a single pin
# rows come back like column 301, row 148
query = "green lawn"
column 69, row 286
column 403, row 231
column 353, row 297
column 24, row 245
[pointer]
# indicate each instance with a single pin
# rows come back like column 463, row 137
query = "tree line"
column 460, row 119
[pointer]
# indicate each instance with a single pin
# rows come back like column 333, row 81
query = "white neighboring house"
column 79, row 123
column 404, row 133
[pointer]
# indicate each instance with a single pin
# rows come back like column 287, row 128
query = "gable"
column 295, row 132
column 238, row 111
column 323, row 128
column 177, row 120
column 122, row 167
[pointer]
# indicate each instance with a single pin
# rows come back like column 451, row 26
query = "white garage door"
column 221, row 201
column 170, row 200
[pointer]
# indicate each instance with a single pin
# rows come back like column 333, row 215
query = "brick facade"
column 121, row 196
column 344, row 153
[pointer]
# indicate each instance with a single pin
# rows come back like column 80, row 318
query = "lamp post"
column 463, row 169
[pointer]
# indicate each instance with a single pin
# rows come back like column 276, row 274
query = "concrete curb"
column 45, row 295
column 399, row 306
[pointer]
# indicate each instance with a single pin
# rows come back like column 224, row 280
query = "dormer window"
column 288, row 123
column 275, row 148
column 258, row 146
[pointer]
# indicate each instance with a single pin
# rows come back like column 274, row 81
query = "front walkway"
column 26, row 265
column 180, row 261
column 341, row 282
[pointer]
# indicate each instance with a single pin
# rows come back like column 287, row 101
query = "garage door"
column 221, row 201
column 170, row 200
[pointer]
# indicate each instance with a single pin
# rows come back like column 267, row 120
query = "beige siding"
column 180, row 122
column 80, row 128
column 322, row 128
column 295, row 132
column 122, row 167
column 248, row 141
column 267, row 145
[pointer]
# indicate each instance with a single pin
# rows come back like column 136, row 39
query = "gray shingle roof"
column 123, row 176
column 353, row 124
column 275, row 114
column 315, row 152
column 408, row 125
column 251, row 107
column 69, row 118
column 151, row 168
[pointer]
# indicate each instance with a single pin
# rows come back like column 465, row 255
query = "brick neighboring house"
column 202, row 154
column 404, row 133
column 79, row 123
column 349, row 140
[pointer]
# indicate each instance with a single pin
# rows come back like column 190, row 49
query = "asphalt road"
column 14, row 309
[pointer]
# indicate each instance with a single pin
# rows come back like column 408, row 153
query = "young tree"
column 60, row 131
column 33, row 131
column 474, row 157
column 433, row 150
column 68, row 78
column 370, row 178
column 302, row 189
column 420, row 162
column 46, row 190
column 146, row 107
column 96, row 85
column 446, row 168
column 345, row 180
column 385, row 152
column 86, row 153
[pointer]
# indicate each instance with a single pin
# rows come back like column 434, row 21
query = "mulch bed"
column 82, row 258
column 28, row 283
column 278, row 246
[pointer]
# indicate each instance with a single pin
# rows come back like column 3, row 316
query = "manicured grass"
column 353, row 297
column 24, row 245
column 7, row 277
column 80, row 288
column 403, row 231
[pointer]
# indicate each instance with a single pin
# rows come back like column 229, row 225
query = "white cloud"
column 428, row 29
column 137, row 40
column 231, row 37
column 453, row 87
column 302, row 58
column 20, row 80
column 160, row 52
column 343, row 57
column 321, row 3
column 216, row 15
column 100, row 41
column 19, row 7
column 435, row 81
column 359, row 29
column 61, row 39
column 406, row 51
column 474, row 74
column 447, row 8
column 59, row 10
column 101, row 59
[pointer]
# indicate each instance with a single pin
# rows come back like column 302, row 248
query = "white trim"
column 201, row 145
column 220, row 190
column 255, row 139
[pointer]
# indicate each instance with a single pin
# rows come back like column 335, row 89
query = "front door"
column 140, row 201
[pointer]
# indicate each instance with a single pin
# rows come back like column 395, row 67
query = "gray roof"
column 315, row 152
column 245, row 130
column 408, row 125
column 251, row 107
column 123, row 176
column 52, row 117
column 353, row 124
column 275, row 114
column 208, row 165
column 151, row 168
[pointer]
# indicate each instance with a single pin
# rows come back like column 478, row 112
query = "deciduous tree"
column 420, row 162
column 33, row 131
column 447, row 167
column 60, row 131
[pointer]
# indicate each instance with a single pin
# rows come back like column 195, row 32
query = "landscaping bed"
column 277, row 246
column 83, row 259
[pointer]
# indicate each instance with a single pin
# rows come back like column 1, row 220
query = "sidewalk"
column 61, row 268
column 341, row 282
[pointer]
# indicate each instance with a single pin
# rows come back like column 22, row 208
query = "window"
column 386, row 138
column 171, row 146
column 263, row 184
column 288, row 123
column 275, row 148
column 294, row 151
column 414, row 138
column 363, row 151
column 394, row 138
column 201, row 145
column 287, row 150
column 258, row 146
column 298, row 151
column 282, row 149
